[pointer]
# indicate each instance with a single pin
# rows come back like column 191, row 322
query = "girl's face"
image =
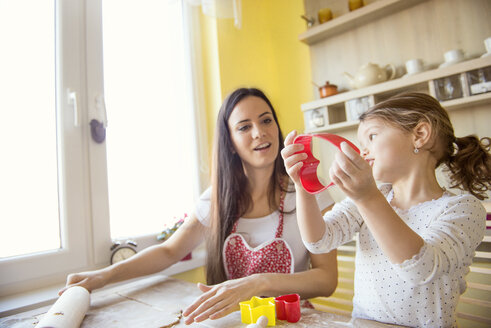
column 254, row 132
column 388, row 150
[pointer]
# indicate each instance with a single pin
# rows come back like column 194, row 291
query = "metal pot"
column 328, row 90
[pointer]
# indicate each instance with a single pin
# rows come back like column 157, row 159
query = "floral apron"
column 241, row 260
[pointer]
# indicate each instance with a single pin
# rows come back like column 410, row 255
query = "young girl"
column 416, row 240
column 248, row 218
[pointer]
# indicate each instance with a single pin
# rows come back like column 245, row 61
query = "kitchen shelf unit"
column 354, row 19
column 333, row 108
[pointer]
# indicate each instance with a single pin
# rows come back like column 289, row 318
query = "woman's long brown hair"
column 467, row 159
column 230, row 192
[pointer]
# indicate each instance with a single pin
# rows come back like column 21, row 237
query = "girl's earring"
column 416, row 150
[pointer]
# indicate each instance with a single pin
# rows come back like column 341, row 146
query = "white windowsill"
column 17, row 303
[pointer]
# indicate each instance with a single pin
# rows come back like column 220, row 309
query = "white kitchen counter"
column 156, row 301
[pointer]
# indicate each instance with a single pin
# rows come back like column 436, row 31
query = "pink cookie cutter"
column 288, row 307
column 308, row 172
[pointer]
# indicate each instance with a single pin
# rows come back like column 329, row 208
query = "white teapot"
column 369, row 74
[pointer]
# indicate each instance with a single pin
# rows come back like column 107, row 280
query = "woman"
column 248, row 216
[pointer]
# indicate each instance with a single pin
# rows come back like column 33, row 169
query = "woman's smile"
column 263, row 147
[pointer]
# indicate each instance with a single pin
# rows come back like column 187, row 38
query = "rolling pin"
column 68, row 311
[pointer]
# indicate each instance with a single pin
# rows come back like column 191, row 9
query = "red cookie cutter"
column 288, row 307
column 308, row 172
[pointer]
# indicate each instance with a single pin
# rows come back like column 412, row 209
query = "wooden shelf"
column 466, row 101
column 386, row 89
column 354, row 19
column 401, row 83
column 335, row 127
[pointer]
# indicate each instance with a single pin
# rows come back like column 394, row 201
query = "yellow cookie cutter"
column 251, row 310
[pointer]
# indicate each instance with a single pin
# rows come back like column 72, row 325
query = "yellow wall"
column 211, row 77
column 264, row 53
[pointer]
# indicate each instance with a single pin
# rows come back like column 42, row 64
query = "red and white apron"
column 241, row 260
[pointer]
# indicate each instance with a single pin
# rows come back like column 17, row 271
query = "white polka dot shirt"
column 422, row 291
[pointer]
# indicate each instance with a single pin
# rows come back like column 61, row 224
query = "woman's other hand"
column 293, row 156
column 219, row 300
column 90, row 280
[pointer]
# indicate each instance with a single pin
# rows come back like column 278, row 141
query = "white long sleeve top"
column 422, row 291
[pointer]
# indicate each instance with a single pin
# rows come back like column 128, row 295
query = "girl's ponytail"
column 470, row 165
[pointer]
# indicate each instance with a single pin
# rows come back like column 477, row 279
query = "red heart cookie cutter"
column 308, row 172
column 288, row 307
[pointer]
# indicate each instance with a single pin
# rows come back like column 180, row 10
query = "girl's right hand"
column 90, row 280
column 293, row 156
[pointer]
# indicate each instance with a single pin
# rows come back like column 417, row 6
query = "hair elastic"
column 455, row 149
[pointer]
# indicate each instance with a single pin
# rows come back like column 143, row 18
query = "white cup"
column 487, row 44
column 454, row 55
column 414, row 66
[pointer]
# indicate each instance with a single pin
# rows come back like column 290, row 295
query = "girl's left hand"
column 352, row 174
column 219, row 300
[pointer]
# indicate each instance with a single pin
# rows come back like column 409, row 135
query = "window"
column 44, row 141
column 151, row 130
column 28, row 135
column 55, row 175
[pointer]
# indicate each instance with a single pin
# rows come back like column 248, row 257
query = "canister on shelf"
column 448, row 88
column 355, row 4
column 324, row 15
column 479, row 80
column 356, row 107
column 328, row 90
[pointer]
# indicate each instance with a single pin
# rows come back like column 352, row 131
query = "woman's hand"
column 293, row 156
column 352, row 174
column 219, row 300
column 90, row 280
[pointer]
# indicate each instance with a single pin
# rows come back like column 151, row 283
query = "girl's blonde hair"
column 467, row 159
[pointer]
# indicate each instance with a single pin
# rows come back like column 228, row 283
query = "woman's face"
column 387, row 149
column 254, row 132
